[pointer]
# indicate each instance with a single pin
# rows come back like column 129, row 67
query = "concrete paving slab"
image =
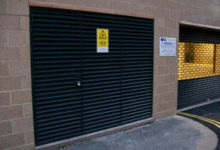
column 173, row 133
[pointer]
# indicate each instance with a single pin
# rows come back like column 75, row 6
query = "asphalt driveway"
column 210, row 111
column 174, row 133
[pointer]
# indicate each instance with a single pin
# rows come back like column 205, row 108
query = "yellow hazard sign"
column 102, row 36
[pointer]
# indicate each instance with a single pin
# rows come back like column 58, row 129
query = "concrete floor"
column 174, row 133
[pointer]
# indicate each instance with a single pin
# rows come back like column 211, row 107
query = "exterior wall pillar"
column 16, row 117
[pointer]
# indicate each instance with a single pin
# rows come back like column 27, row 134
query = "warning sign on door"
column 102, row 36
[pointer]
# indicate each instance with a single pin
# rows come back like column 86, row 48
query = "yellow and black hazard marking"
column 211, row 121
column 102, row 37
column 102, row 40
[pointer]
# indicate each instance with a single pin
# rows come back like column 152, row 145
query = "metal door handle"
column 78, row 83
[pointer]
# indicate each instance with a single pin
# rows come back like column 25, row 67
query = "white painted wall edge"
column 199, row 25
column 199, row 105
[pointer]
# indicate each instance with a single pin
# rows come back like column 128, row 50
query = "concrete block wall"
column 16, row 117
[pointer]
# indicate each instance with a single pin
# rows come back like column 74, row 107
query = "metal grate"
column 198, row 35
column 198, row 60
column 195, row 91
column 116, row 87
column 199, row 66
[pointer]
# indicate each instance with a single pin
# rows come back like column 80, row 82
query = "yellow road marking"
column 201, row 117
column 214, row 122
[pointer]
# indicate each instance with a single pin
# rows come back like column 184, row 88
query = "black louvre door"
column 101, row 77
column 115, row 88
column 55, row 71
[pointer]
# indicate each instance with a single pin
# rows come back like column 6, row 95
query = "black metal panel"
column 199, row 90
column 198, row 35
column 116, row 86
column 55, row 68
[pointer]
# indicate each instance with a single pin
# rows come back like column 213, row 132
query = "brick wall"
column 16, row 123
